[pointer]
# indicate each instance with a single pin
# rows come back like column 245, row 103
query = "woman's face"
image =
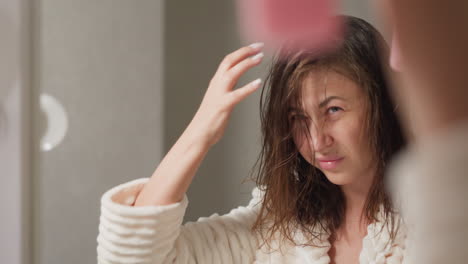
column 333, row 136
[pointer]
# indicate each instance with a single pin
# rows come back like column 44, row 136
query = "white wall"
column 14, row 127
column 103, row 60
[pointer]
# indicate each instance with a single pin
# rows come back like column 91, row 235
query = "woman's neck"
column 354, row 225
column 355, row 221
column 346, row 241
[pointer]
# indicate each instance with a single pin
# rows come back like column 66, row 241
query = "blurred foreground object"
column 430, row 179
column 395, row 54
column 308, row 24
column 430, row 41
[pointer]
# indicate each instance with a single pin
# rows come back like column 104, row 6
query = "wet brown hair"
column 298, row 196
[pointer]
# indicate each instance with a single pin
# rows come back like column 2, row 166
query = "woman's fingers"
column 239, row 94
column 235, row 57
column 235, row 72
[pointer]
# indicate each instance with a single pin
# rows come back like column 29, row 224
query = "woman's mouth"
column 329, row 163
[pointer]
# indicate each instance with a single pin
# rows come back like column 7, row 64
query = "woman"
column 329, row 129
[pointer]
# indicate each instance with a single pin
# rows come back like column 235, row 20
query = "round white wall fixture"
column 57, row 122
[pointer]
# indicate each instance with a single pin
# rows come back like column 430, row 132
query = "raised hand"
column 221, row 97
column 175, row 173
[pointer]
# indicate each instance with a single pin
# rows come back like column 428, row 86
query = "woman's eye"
column 334, row 109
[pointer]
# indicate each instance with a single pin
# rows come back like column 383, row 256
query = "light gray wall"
column 368, row 10
column 103, row 60
column 359, row 8
column 14, row 131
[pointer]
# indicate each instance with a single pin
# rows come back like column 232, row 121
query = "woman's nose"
column 320, row 138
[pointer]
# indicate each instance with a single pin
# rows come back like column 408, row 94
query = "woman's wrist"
column 197, row 135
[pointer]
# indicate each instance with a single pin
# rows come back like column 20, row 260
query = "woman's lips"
column 329, row 164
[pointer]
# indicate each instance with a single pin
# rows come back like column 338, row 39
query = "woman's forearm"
column 172, row 178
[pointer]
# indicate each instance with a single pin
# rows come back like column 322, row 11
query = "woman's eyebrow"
column 328, row 99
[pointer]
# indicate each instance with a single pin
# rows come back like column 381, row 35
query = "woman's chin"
column 338, row 178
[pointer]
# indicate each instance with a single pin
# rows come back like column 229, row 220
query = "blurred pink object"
column 310, row 24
